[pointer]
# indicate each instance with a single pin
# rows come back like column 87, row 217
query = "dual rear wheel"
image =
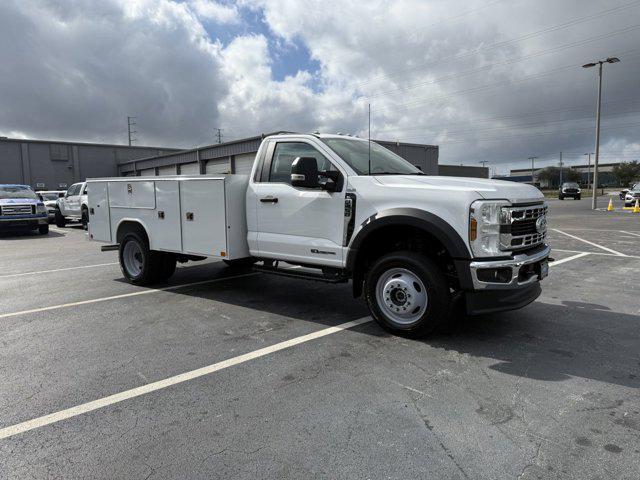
column 142, row 266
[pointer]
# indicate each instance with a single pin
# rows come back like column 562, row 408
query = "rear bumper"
column 8, row 223
column 497, row 285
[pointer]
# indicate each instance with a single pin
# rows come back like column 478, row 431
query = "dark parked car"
column 569, row 189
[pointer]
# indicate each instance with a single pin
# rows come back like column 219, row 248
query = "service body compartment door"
column 134, row 194
column 202, row 216
column 99, row 220
column 165, row 225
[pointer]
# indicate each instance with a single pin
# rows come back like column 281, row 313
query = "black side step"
column 108, row 248
column 289, row 272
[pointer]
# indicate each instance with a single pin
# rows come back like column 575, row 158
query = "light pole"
column 589, row 170
column 594, row 201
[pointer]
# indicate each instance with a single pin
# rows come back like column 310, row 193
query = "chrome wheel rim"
column 401, row 296
column 132, row 258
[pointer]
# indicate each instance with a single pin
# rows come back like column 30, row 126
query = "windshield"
column 383, row 161
column 570, row 185
column 16, row 191
column 49, row 196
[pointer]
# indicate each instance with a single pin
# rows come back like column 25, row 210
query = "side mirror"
column 304, row 172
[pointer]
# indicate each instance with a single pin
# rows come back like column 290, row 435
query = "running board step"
column 289, row 272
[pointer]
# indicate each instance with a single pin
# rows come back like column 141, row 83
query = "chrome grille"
column 17, row 209
column 519, row 227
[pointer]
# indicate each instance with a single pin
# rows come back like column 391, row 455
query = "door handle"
column 269, row 200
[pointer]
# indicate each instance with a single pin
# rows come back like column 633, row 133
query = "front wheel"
column 43, row 229
column 84, row 219
column 407, row 294
column 61, row 222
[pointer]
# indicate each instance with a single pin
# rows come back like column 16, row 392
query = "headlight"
column 485, row 217
column 40, row 208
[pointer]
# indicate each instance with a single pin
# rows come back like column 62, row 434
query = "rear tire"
column 61, row 222
column 43, row 229
column 139, row 265
column 407, row 294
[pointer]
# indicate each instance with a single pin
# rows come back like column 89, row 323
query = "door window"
column 73, row 190
column 286, row 152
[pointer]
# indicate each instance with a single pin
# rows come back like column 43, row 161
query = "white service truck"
column 343, row 209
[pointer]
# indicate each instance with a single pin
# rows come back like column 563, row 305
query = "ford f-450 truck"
column 342, row 209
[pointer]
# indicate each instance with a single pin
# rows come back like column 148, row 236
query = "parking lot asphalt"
column 233, row 374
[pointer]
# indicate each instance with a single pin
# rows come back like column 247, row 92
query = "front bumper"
column 19, row 221
column 497, row 285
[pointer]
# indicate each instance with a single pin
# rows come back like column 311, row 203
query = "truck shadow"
column 28, row 235
column 542, row 341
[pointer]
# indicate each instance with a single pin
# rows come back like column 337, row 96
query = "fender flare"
column 414, row 217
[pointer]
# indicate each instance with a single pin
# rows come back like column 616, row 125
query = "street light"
column 594, row 201
column 589, row 170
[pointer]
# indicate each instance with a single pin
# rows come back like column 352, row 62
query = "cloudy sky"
column 494, row 80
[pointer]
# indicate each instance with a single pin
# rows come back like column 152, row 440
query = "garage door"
column 148, row 172
column 190, row 169
column 219, row 165
column 168, row 170
column 244, row 163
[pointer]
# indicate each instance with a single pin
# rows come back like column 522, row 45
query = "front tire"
column 61, row 222
column 407, row 294
column 577, row 198
column 43, row 229
column 84, row 219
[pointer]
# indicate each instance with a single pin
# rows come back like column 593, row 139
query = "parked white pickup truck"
column 73, row 206
column 344, row 210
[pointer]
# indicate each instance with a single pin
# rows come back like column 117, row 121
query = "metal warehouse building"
column 52, row 165
column 237, row 157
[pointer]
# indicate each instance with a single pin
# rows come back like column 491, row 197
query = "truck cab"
column 73, row 206
column 21, row 209
column 347, row 209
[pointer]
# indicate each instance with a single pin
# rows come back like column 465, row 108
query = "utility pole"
column 218, row 134
column 483, row 162
column 560, row 169
column 589, row 170
column 130, row 124
column 533, row 159
column 594, row 201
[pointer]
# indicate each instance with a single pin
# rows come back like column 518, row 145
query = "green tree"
column 627, row 172
column 551, row 175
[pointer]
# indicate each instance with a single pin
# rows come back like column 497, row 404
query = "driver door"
column 303, row 225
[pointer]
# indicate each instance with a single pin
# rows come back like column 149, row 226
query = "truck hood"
column 21, row 201
column 485, row 188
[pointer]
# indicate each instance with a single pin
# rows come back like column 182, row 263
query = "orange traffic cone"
column 610, row 207
column 636, row 208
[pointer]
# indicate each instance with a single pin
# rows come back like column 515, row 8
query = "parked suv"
column 632, row 195
column 21, row 209
column 73, row 206
column 569, row 189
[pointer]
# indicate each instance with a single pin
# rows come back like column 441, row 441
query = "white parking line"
column 631, row 233
column 124, row 295
column 568, row 259
column 168, row 382
column 590, row 243
column 57, row 270
column 596, row 253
